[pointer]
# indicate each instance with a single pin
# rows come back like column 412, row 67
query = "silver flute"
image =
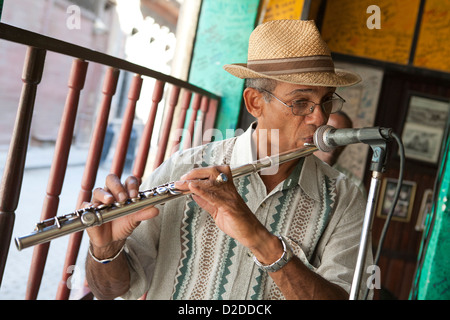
column 84, row 218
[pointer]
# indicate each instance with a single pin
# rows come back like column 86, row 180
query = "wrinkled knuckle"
column 96, row 191
column 111, row 178
column 132, row 180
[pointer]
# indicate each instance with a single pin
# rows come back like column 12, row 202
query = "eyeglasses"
column 304, row 107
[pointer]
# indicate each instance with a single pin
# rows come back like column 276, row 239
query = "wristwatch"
column 280, row 263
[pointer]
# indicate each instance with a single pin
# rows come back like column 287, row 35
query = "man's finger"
column 132, row 186
column 200, row 174
column 116, row 188
column 100, row 195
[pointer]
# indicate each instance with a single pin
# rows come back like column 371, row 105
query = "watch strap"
column 280, row 263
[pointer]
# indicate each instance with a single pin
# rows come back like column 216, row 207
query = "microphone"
column 327, row 138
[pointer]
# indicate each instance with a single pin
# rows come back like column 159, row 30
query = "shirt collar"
column 244, row 150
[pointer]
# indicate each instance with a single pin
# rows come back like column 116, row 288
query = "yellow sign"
column 348, row 28
column 283, row 9
column 433, row 45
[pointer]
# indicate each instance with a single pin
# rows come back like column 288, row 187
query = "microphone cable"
column 391, row 211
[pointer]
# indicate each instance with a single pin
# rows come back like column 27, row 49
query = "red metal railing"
column 204, row 108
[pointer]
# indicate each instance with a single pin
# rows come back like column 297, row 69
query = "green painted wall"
column 433, row 278
column 222, row 37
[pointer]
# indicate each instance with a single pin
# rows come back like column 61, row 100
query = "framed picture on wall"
column 424, row 128
column 405, row 200
column 425, row 209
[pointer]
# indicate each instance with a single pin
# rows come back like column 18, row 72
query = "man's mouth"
column 308, row 140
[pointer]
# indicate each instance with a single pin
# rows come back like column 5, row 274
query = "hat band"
column 292, row 65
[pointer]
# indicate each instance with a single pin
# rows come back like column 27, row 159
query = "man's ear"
column 254, row 101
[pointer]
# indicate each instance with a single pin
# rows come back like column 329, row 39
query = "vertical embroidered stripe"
column 188, row 249
column 226, row 270
column 281, row 210
column 328, row 190
column 259, row 287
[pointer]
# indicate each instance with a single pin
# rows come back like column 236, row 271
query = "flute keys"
column 147, row 194
column 162, row 190
column 173, row 190
column 58, row 222
column 119, row 204
column 40, row 226
column 88, row 218
column 101, row 207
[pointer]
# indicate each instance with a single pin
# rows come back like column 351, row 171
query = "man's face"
column 294, row 131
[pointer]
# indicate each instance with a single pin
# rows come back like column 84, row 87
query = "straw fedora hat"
column 291, row 51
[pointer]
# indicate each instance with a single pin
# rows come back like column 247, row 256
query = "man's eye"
column 300, row 102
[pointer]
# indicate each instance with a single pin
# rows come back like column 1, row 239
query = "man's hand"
column 224, row 204
column 119, row 229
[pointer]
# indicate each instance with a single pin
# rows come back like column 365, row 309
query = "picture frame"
column 405, row 202
column 425, row 209
column 424, row 127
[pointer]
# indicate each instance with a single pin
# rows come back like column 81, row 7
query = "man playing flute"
column 289, row 232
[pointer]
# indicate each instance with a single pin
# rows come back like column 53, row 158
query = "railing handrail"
column 33, row 39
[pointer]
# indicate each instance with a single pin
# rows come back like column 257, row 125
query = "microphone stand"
column 377, row 167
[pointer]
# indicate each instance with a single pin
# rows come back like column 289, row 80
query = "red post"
column 144, row 146
column 190, row 131
column 57, row 171
column 198, row 130
column 210, row 118
column 90, row 173
column 127, row 124
column 186, row 100
column 165, row 132
column 13, row 174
